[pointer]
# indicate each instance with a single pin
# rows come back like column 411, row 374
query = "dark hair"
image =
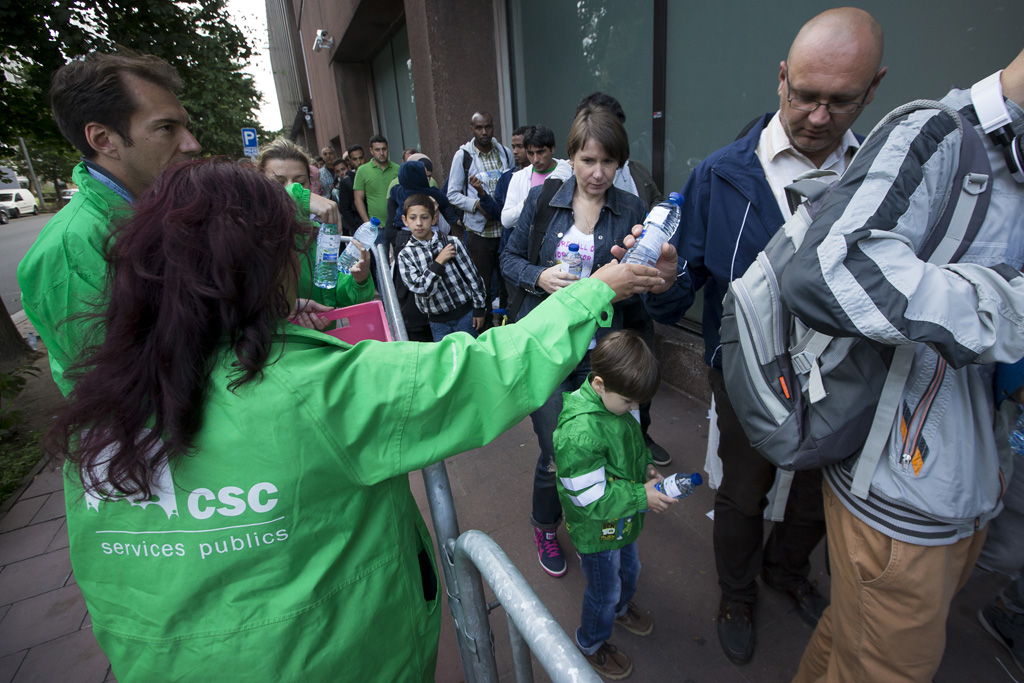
column 539, row 136
column 521, row 130
column 96, row 88
column 600, row 99
column 357, row 148
column 378, row 138
column 419, row 200
column 207, row 261
column 601, row 126
column 627, row 365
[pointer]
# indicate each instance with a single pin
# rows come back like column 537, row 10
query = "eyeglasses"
column 834, row 108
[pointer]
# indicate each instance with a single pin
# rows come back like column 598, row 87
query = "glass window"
column 563, row 51
column 395, row 96
column 723, row 71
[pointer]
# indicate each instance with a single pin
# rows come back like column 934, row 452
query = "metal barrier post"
column 520, row 652
column 477, row 554
column 435, row 480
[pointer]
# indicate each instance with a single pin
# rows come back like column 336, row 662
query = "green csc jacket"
column 289, row 546
column 601, row 460
column 64, row 274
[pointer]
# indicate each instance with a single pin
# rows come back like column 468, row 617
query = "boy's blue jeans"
column 463, row 324
column 611, row 582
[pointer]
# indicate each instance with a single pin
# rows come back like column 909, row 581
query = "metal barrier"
column 476, row 642
column 435, row 477
column 530, row 625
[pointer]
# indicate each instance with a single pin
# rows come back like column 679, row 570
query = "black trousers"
column 483, row 251
column 740, row 551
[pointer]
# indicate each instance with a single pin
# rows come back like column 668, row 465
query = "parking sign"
column 250, row 145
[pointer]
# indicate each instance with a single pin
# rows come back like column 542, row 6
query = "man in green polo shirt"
column 371, row 184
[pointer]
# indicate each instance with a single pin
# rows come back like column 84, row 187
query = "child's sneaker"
column 550, row 553
column 610, row 663
column 1005, row 626
column 635, row 621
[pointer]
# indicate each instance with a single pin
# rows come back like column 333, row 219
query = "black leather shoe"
column 808, row 602
column 736, row 630
column 658, row 454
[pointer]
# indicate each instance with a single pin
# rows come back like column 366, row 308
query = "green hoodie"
column 601, row 459
column 287, row 547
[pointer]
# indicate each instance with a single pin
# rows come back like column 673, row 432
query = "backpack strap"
column 467, row 161
column 541, row 221
column 542, row 218
column 953, row 233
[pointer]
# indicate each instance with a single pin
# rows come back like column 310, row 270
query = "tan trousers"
column 890, row 600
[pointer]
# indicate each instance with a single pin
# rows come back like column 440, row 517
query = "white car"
column 66, row 195
column 18, row 202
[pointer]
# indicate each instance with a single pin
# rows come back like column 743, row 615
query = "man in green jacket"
column 121, row 112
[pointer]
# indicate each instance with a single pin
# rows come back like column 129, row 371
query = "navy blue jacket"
column 729, row 215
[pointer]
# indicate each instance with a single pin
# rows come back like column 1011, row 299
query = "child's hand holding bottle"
column 656, row 500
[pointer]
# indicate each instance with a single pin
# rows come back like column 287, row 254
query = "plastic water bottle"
column 679, row 485
column 328, row 243
column 573, row 262
column 1017, row 437
column 659, row 226
column 366, row 234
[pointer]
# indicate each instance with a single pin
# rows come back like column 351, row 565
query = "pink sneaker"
column 550, row 553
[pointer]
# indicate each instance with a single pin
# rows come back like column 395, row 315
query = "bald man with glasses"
column 734, row 201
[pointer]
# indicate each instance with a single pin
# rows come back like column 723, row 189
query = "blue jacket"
column 729, row 214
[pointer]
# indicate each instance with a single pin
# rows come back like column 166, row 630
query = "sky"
column 251, row 17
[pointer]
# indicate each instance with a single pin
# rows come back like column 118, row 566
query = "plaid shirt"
column 492, row 161
column 441, row 288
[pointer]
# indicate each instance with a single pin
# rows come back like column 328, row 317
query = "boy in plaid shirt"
column 438, row 271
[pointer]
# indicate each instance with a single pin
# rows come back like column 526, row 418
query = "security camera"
column 322, row 40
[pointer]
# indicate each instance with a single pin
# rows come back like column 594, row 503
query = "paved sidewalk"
column 46, row 635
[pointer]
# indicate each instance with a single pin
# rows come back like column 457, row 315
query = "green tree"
column 197, row 38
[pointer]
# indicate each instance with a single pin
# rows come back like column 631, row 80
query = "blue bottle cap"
column 574, row 247
column 695, row 478
column 375, row 221
column 676, row 198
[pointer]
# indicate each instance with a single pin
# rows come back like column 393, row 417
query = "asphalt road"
column 15, row 239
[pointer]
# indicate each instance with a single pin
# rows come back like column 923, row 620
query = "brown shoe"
column 610, row 663
column 635, row 621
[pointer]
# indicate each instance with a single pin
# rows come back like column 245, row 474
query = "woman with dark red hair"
column 237, row 498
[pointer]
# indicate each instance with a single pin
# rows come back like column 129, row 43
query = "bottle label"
column 670, row 487
column 657, row 215
column 327, row 244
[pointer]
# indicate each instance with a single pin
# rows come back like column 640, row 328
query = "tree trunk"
column 13, row 349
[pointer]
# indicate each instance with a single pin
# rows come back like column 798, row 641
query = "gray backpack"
column 806, row 399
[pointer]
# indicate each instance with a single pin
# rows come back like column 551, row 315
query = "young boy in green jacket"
column 606, row 480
